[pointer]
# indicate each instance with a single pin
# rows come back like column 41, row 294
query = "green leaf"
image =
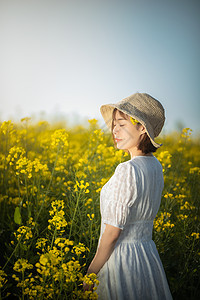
column 29, row 214
column 17, row 216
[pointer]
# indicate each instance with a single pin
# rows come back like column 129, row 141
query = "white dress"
column 130, row 201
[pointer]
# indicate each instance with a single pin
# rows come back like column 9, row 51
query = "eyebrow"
column 120, row 119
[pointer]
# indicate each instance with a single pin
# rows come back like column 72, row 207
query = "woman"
column 126, row 261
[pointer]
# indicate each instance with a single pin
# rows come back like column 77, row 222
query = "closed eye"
column 120, row 125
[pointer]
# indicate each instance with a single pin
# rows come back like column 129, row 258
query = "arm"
column 105, row 249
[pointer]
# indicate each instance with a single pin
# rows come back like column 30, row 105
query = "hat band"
column 129, row 108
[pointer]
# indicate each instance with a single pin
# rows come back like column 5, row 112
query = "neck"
column 136, row 152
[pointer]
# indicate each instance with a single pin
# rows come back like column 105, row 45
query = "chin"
column 121, row 148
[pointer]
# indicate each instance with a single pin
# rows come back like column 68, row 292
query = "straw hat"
column 142, row 107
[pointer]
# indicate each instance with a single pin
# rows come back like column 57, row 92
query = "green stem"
column 53, row 238
column 77, row 202
column 26, row 186
column 61, row 284
column 13, row 252
column 19, row 194
column 22, row 285
column 52, row 174
column 91, row 234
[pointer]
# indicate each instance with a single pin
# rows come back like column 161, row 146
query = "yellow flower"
column 90, row 216
column 168, row 195
column 14, row 154
column 182, row 217
column 165, row 159
column 187, row 206
column 186, row 132
column 21, row 265
column 26, row 119
column 78, row 249
column 7, row 127
column 41, row 243
column 2, row 278
column 93, row 121
column 88, row 202
column 81, row 186
column 23, row 232
column 195, row 235
column 91, row 279
column 194, row 170
column 99, row 135
column 162, row 222
column 59, row 138
column 24, row 166
column 134, row 121
column 43, row 260
column 57, row 215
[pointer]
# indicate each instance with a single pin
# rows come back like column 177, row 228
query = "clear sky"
column 68, row 57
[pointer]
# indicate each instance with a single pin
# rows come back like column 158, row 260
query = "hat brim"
column 107, row 113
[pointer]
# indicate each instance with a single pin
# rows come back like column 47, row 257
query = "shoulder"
column 126, row 187
column 147, row 167
column 125, row 168
column 124, row 165
column 151, row 161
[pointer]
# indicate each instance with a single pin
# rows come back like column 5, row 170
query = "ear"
column 142, row 129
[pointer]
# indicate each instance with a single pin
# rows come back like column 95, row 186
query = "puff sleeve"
column 119, row 195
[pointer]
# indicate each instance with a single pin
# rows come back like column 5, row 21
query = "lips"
column 117, row 140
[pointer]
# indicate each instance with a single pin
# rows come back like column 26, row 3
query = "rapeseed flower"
column 194, row 170
column 195, row 235
column 14, row 154
column 3, row 279
column 41, row 243
column 24, row 233
column 186, row 132
column 88, row 202
column 59, row 138
column 163, row 222
column 91, row 217
column 187, row 206
column 57, row 215
column 165, row 159
column 134, row 121
column 21, row 265
column 7, row 127
column 79, row 249
column 93, row 122
column 182, row 217
column 81, row 186
column 24, row 166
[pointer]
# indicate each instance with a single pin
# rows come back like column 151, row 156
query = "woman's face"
column 127, row 136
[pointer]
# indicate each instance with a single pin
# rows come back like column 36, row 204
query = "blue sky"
column 67, row 58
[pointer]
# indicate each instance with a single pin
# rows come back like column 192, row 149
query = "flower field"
column 50, row 181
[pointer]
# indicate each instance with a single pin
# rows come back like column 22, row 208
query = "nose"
column 116, row 129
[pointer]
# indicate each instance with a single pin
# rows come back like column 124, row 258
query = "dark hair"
column 145, row 144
